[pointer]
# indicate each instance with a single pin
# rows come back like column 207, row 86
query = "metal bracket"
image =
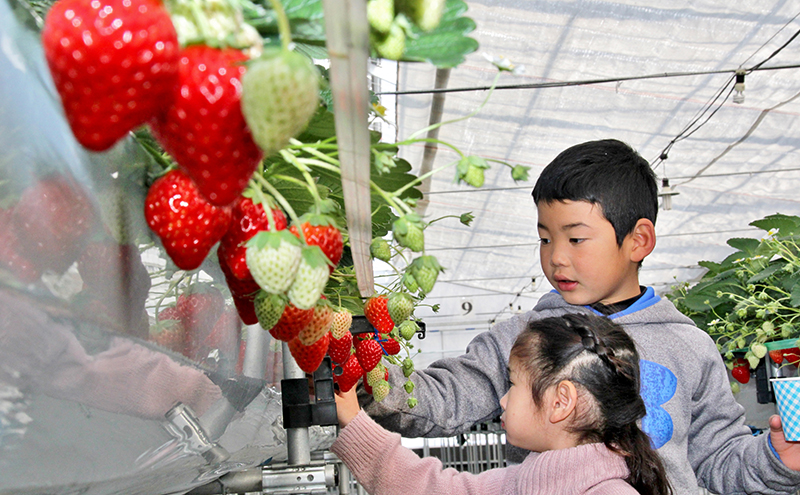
column 184, row 425
column 313, row 478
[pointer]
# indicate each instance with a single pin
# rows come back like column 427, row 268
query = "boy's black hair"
column 607, row 173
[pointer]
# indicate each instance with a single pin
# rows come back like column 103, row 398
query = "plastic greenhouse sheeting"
column 732, row 164
column 84, row 393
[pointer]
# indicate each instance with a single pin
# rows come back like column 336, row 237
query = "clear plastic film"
column 100, row 335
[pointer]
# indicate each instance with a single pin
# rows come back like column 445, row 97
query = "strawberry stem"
column 264, row 204
column 465, row 117
column 283, row 24
column 282, row 201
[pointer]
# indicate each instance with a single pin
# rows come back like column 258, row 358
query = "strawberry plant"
column 244, row 195
column 752, row 297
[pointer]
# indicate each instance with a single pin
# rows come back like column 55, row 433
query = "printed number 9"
column 467, row 307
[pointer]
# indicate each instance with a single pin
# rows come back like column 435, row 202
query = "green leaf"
column 786, row 224
column 748, row 246
column 795, row 301
column 767, row 272
column 447, row 45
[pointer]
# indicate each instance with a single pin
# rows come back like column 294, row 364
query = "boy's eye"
column 576, row 240
column 544, row 241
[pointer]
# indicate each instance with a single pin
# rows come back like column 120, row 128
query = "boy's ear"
column 564, row 401
column 643, row 240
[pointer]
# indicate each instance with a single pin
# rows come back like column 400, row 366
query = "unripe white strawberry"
column 280, row 94
column 273, row 259
column 309, row 282
column 342, row 320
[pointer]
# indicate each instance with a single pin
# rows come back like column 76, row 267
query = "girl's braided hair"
column 601, row 360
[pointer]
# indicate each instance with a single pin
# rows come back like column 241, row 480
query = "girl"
column 573, row 401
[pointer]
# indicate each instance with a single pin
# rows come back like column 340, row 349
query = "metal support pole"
column 297, row 442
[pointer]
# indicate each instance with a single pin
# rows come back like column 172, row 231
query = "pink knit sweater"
column 384, row 467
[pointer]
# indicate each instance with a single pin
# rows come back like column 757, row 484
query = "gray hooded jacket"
column 692, row 416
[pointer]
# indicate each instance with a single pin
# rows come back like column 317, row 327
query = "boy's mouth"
column 563, row 284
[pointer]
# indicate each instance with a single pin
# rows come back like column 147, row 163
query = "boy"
column 597, row 205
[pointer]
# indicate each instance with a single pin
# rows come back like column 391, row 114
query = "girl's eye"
column 544, row 241
column 575, row 240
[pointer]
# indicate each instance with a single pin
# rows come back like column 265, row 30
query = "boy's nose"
column 558, row 258
column 504, row 401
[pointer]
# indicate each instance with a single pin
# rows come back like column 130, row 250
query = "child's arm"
column 383, row 466
column 453, row 393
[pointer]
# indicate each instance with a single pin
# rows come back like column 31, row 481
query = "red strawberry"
column 309, row 357
column 292, row 321
column 169, row 331
column 369, row 354
column 391, row 346
column 187, row 224
column 321, row 231
column 51, row 221
column 339, row 349
column 377, row 314
column 204, row 129
column 243, row 293
column 114, row 64
column 792, row 355
column 741, row 373
column 12, row 256
column 776, row 355
column 351, row 372
column 248, row 220
column 319, row 325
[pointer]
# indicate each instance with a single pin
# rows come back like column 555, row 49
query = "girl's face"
column 526, row 424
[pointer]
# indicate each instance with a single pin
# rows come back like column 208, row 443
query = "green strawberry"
column 407, row 231
column 409, row 386
column 312, row 275
column 470, row 169
column 380, row 14
column 400, row 306
column 427, row 14
column 408, row 367
column 410, row 282
column 376, row 375
column 380, row 249
column 391, row 45
column 273, row 259
column 408, row 329
column 412, row 402
column 425, row 270
column 380, row 390
column 268, row 308
column 280, row 94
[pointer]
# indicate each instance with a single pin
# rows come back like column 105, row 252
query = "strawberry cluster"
column 115, row 73
column 366, row 356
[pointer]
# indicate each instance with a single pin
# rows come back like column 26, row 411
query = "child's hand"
column 346, row 406
column 789, row 452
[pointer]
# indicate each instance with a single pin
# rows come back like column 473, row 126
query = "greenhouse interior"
column 230, row 227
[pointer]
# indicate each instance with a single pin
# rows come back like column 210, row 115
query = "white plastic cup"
column 787, row 395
